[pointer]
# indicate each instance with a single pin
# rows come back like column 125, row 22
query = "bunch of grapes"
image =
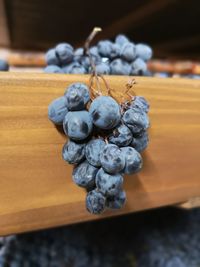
column 121, row 57
column 105, row 141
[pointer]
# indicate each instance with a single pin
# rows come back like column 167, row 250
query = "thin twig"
column 87, row 52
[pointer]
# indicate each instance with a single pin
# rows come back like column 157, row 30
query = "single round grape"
column 76, row 68
column 77, row 96
column 73, row 152
column 138, row 67
column 121, row 39
column 117, row 201
column 92, row 151
column 53, row 69
column 140, row 142
column 120, row 67
column 121, row 136
column 94, row 51
column 115, row 51
column 108, row 184
column 133, row 160
column 57, row 110
column 103, row 68
column 77, row 125
column 64, row 52
column 95, row 202
column 143, row 51
column 84, row 175
column 105, row 48
column 4, row 66
column 140, row 102
column 86, row 63
column 79, row 52
column 105, row 112
column 127, row 52
column 136, row 120
column 112, row 160
column 51, row 57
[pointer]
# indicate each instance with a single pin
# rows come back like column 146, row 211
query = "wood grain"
column 36, row 189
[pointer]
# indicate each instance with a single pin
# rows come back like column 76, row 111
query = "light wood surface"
column 36, row 189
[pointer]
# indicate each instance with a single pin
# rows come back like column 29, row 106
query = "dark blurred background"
column 171, row 27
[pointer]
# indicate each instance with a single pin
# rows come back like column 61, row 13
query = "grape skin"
column 121, row 39
column 138, row 67
column 112, row 160
column 77, row 96
column 133, row 160
column 51, row 57
column 73, row 152
column 57, row 110
column 53, row 69
column 121, row 136
column 140, row 142
column 105, row 112
column 105, row 48
column 84, row 175
column 117, row 201
column 143, row 51
column 77, row 125
column 128, row 52
column 120, row 67
column 64, row 52
column 136, row 120
column 95, row 202
column 93, row 150
column 141, row 103
column 108, row 184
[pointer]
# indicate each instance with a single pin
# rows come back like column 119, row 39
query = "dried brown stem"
column 87, row 52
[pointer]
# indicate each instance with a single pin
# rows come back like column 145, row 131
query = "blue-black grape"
column 84, row 175
column 138, row 67
column 140, row 142
column 121, row 39
column 51, row 57
column 76, row 68
column 4, row 66
column 136, row 120
column 143, row 51
column 120, row 67
column 53, row 69
column 133, row 160
column 117, row 201
column 121, row 136
column 103, row 68
column 94, row 51
column 57, row 110
column 140, row 102
column 73, row 152
column 77, row 125
column 105, row 112
column 112, row 160
column 128, row 52
column 95, row 202
column 77, row 96
column 64, row 52
column 92, row 151
column 105, row 48
column 109, row 184
column 86, row 63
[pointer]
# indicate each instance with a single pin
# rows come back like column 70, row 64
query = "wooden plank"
column 36, row 189
column 4, row 31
